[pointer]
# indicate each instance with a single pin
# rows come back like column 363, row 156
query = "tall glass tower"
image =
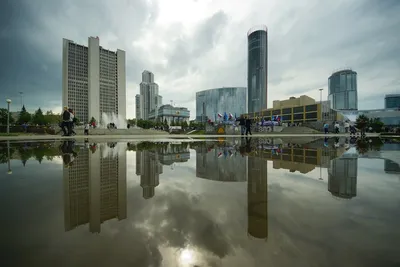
column 257, row 68
column 342, row 90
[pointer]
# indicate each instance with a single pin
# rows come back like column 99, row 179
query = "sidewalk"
column 167, row 136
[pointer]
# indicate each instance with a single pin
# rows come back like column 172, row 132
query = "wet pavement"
column 224, row 202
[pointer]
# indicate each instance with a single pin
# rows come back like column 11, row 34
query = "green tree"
column 131, row 121
column 51, row 118
column 376, row 124
column 24, row 116
column 92, row 120
column 362, row 122
column 185, row 125
column 38, row 117
column 4, row 115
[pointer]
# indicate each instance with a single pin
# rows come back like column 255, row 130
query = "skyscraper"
column 93, row 80
column 149, row 99
column 342, row 90
column 257, row 68
column 138, row 105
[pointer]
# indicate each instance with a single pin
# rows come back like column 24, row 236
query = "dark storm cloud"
column 24, row 68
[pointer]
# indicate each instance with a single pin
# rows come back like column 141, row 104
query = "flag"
column 219, row 154
column 230, row 116
column 225, row 116
column 219, row 115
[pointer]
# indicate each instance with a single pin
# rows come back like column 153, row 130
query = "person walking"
column 337, row 127
column 71, row 122
column 346, row 126
column 248, row 126
column 87, row 126
column 326, row 128
column 66, row 116
column 242, row 124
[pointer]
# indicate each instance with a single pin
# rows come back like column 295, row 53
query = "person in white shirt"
column 346, row 126
column 337, row 127
column 87, row 126
column 71, row 121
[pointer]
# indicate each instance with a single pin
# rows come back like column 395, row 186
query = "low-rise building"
column 170, row 114
column 297, row 110
column 303, row 100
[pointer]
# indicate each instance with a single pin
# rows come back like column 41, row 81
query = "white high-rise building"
column 149, row 99
column 94, row 80
column 139, row 104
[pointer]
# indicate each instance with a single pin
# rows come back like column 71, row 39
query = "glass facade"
column 257, row 69
column 392, row 101
column 342, row 90
column 220, row 100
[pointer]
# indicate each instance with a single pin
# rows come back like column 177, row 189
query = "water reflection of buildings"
column 149, row 164
column 220, row 164
column 257, row 198
column 94, row 189
column 149, row 168
column 342, row 175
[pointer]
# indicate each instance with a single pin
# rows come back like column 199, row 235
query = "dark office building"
column 342, row 90
column 392, row 101
column 257, row 68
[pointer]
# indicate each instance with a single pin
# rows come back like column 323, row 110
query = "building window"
column 311, row 108
column 298, row 109
column 311, row 115
column 276, row 112
column 287, row 111
column 298, row 116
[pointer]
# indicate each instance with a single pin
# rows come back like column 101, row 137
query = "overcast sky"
column 193, row 45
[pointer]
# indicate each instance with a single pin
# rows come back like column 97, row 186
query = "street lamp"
column 8, row 115
column 320, row 94
column 8, row 157
column 320, row 101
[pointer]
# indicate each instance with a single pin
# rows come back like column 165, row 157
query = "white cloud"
column 196, row 45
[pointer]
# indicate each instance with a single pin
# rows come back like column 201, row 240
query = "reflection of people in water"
column 67, row 149
column 326, row 142
column 245, row 146
column 93, row 147
column 336, row 145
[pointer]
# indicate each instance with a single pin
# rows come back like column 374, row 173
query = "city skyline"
column 196, row 50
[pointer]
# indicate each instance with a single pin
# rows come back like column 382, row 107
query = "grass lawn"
column 10, row 134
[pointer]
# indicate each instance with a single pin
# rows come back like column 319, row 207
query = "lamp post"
column 8, row 157
column 8, row 115
column 320, row 102
column 320, row 94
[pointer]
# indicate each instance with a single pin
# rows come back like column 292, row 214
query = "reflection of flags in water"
column 225, row 153
column 219, row 154
column 235, row 116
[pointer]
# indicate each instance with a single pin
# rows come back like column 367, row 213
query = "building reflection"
column 391, row 167
column 342, row 176
column 149, row 168
column 94, row 186
column 257, row 194
column 150, row 161
column 220, row 163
